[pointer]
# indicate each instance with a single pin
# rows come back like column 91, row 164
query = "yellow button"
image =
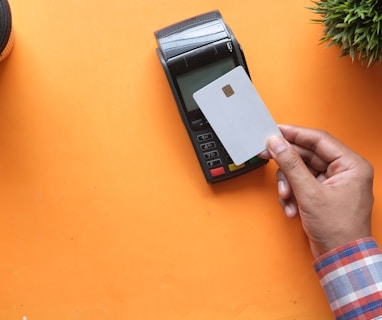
column 232, row 167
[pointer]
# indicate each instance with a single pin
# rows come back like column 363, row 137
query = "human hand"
column 326, row 183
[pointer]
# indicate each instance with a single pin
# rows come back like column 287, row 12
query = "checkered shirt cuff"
column 351, row 276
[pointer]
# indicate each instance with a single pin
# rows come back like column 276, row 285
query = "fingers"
column 291, row 164
column 307, row 146
column 311, row 159
column 320, row 143
column 283, row 186
column 290, row 207
column 286, row 198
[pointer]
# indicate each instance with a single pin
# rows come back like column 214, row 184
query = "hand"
column 326, row 183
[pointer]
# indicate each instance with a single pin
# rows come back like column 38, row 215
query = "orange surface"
column 104, row 212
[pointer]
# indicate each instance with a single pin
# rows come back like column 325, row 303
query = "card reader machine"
column 194, row 53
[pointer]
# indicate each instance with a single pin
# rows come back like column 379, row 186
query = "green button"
column 254, row 160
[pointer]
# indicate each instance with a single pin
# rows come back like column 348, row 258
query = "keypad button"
column 199, row 124
column 233, row 167
column 204, row 137
column 254, row 160
column 217, row 172
column 211, row 155
column 208, row 146
column 214, row 163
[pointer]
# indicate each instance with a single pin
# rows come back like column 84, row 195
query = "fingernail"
column 290, row 211
column 281, row 186
column 277, row 144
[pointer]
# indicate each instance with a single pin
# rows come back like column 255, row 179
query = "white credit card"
column 237, row 114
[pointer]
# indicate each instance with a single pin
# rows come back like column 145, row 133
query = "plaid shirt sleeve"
column 351, row 276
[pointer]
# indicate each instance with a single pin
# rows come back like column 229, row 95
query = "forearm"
column 352, row 279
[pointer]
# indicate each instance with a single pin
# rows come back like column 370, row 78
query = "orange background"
column 104, row 211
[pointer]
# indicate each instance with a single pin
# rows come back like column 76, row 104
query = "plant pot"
column 6, row 31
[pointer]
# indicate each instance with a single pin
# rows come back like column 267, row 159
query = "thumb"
column 291, row 164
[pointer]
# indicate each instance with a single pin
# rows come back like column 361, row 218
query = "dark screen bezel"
column 181, row 65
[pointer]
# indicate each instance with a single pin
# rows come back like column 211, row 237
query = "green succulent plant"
column 354, row 26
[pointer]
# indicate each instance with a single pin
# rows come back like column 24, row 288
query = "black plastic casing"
column 186, row 46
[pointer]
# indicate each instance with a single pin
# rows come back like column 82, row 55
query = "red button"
column 217, row 172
